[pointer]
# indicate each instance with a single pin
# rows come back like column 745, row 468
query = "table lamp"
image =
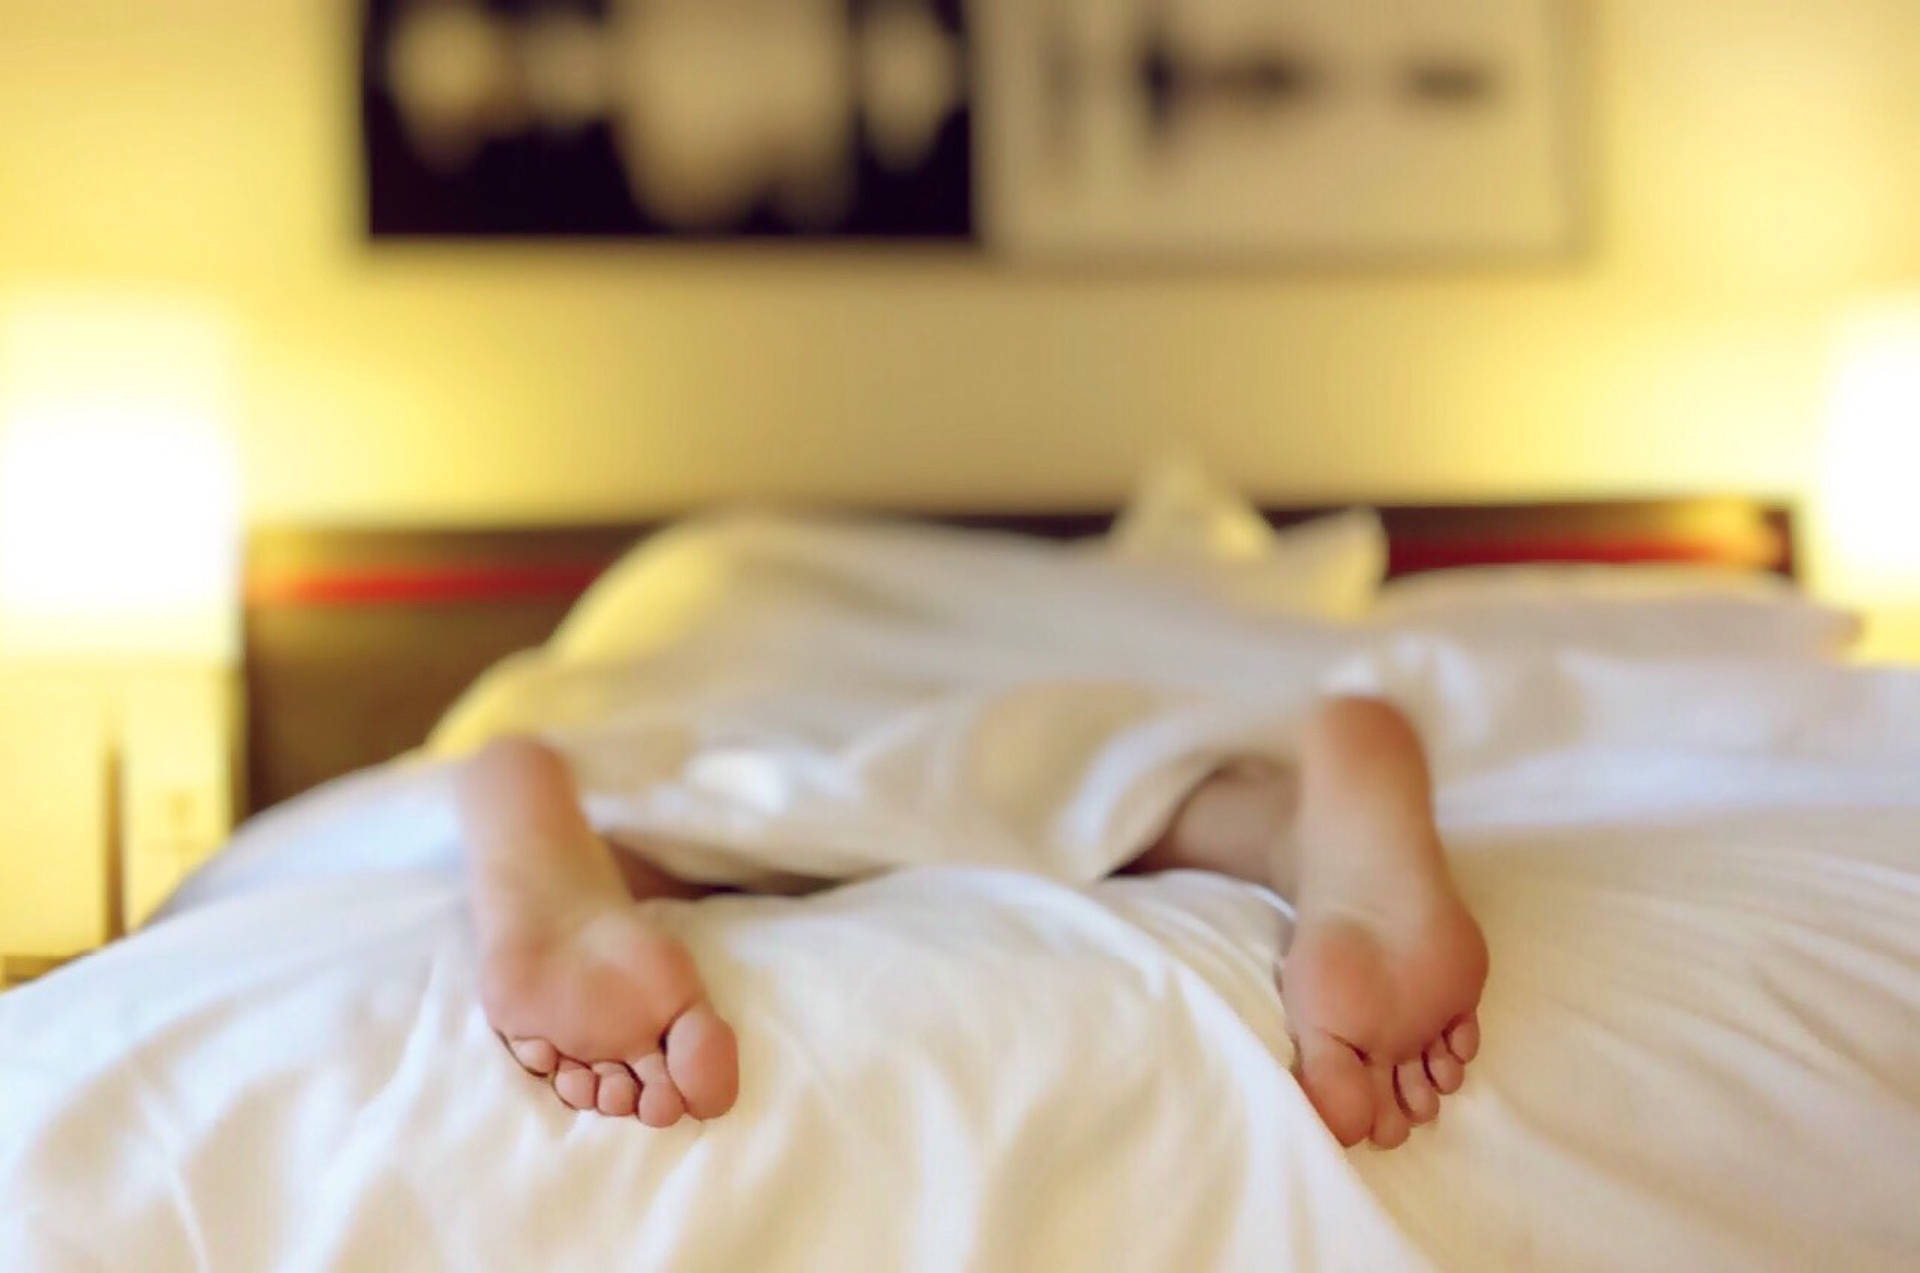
column 1868, row 515
column 119, row 551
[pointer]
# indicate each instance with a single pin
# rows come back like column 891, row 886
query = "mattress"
column 1699, row 878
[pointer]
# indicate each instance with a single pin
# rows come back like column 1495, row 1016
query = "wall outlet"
column 176, row 749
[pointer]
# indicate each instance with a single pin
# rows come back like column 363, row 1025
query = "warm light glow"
column 1870, row 507
column 118, row 499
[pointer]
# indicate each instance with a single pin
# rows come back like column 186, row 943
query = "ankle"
column 1238, row 822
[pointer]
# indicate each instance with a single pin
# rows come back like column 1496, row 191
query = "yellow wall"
column 1755, row 164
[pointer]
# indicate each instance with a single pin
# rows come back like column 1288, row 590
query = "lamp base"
column 1892, row 636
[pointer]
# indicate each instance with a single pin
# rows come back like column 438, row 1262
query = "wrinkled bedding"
column 1699, row 878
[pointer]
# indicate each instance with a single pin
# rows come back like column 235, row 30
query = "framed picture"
column 1037, row 130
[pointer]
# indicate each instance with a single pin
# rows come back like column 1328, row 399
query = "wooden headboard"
column 358, row 639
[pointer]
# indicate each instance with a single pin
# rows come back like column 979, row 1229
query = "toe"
column 661, row 1104
column 1336, row 1081
column 1390, row 1126
column 703, row 1060
column 619, row 1094
column 1418, row 1101
column 1463, row 1038
column 575, row 1084
column 1444, row 1069
column 536, row 1056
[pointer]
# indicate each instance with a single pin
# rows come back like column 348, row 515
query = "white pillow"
column 1178, row 540
column 1663, row 610
column 1186, row 527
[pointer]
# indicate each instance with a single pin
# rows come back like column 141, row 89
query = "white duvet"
column 1700, row 881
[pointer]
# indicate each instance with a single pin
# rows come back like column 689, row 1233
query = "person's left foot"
column 610, row 1010
column 584, row 988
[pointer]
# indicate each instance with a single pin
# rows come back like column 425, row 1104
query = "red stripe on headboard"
column 564, row 581
column 1412, row 557
column 428, row 585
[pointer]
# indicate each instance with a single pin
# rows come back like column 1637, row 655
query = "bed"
column 1692, row 838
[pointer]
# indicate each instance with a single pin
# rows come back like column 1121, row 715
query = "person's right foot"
column 1381, row 998
column 1383, row 978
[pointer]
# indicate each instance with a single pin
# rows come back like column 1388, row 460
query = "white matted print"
column 1303, row 129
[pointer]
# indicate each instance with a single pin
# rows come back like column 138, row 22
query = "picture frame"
column 1032, row 131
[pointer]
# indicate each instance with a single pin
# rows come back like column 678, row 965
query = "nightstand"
column 115, row 781
column 54, row 812
column 19, row 970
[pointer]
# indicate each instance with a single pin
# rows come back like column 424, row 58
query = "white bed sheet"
column 1700, row 881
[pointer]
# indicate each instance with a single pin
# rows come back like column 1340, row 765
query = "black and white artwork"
column 1036, row 129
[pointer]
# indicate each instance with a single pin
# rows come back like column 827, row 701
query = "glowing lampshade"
column 118, row 492
column 1870, row 480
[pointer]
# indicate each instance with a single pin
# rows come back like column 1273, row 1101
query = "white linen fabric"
column 862, row 580
column 1185, row 525
column 1659, row 610
column 767, row 697
column 1700, row 881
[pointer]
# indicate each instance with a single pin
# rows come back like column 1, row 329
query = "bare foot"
column 1385, row 971
column 584, row 990
column 612, row 1011
column 1382, row 1005
column 1384, row 974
